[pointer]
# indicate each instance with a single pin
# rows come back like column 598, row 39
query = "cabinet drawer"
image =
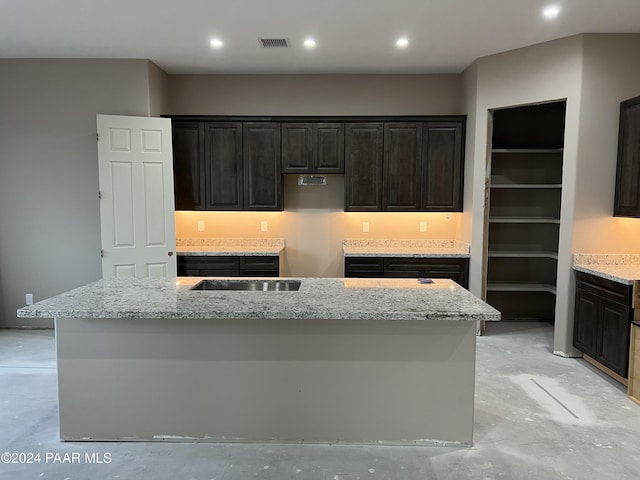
column 203, row 266
column 259, row 263
column 455, row 269
column 614, row 291
column 250, row 266
column 363, row 267
column 445, row 264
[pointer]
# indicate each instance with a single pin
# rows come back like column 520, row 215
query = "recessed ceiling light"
column 402, row 42
column 551, row 12
column 216, row 43
column 309, row 43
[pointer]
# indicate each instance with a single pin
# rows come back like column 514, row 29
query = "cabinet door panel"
column 297, row 145
column 262, row 178
column 627, row 196
column 328, row 147
column 585, row 325
column 613, row 348
column 188, row 165
column 223, row 163
column 442, row 166
column 401, row 166
column 363, row 167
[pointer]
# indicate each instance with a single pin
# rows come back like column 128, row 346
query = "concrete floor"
column 537, row 416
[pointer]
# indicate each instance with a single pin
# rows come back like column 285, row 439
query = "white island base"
column 256, row 380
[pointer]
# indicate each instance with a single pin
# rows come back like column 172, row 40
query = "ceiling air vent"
column 274, row 42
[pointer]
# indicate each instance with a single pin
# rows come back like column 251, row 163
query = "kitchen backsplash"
column 586, row 259
column 405, row 243
column 230, row 242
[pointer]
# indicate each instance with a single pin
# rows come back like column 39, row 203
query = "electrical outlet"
column 29, row 298
column 264, row 226
column 365, row 227
column 201, row 225
column 423, row 227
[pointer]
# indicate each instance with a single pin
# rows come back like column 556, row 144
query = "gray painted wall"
column 611, row 73
column 314, row 223
column 594, row 72
column 158, row 91
column 544, row 72
column 49, row 222
column 315, row 94
column 49, row 215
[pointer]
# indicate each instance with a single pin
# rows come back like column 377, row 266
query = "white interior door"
column 135, row 164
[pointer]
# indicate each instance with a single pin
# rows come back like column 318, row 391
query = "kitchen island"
column 384, row 361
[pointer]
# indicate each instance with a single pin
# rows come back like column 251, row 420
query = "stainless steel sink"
column 250, row 285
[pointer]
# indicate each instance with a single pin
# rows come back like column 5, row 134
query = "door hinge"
column 97, row 137
column 99, row 195
column 101, row 253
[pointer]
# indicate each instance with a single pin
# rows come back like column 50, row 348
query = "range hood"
column 309, row 180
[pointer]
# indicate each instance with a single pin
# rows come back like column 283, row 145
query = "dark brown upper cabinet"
column 442, row 166
column 188, row 165
column 393, row 163
column 627, row 196
column 401, row 166
column 207, row 165
column 297, row 148
column 328, row 147
column 261, row 164
column 422, row 167
column 223, row 166
column 363, row 167
column 312, row 147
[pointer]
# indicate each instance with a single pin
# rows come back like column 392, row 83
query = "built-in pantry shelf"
column 520, row 287
column 527, row 185
column 527, row 150
column 525, row 191
column 522, row 254
column 523, row 220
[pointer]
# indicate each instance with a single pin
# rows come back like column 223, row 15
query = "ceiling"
column 353, row 36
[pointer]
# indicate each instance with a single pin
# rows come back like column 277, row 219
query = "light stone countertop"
column 619, row 268
column 229, row 251
column 318, row 298
column 405, row 248
column 229, row 246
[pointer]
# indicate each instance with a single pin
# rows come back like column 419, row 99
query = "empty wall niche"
column 524, row 210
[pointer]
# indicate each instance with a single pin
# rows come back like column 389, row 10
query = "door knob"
column 170, row 254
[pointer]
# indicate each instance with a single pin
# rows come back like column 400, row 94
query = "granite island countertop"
column 619, row 268
column 318, row 298
column 433, row 248
column 230, row 246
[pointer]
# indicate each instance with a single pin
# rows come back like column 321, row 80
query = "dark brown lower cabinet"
column 228, row 266
column 456, row 269
column 602, row 321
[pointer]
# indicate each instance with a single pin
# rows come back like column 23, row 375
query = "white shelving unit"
column 524, row 211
